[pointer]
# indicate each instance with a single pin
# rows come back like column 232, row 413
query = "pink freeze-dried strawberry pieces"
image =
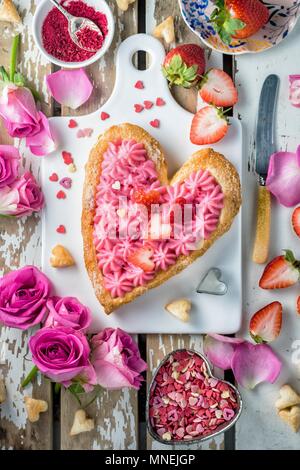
column 186, row 402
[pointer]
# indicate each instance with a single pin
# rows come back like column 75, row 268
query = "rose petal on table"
column 70, row 88
column 253, row 364
column 41, row 143
column 295, row 90
column 9, row 199
column 283, row 179
column 220, row 349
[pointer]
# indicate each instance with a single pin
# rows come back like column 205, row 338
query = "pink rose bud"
column 62, row 354
column 9, row 164
column 69, row 312
column 116, row 359
column 23, row 297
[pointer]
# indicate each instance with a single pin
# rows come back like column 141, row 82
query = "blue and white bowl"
column 282, row 19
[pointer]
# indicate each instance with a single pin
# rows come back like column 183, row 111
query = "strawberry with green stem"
column 184, row 65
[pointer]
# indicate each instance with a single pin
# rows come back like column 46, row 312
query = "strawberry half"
column 265, row 325
column 296, row 221
column 184, row 65
column 142, row 258
column 298, row 305
column 209, row 125
column 218, row 88
column 238, row 18
column 281, row 272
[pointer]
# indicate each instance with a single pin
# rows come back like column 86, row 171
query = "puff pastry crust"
column 223, row 171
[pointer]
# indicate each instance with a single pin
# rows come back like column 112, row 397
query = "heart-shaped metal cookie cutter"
column 212, row 283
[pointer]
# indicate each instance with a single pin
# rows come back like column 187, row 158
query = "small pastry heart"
column 160, row 102
column 186, row 403
column 148, row 104
column 139, row 85
column 155, row 123
column 61, row 229
column 67, row 157
column 53, row 177
column 81, row 423
column 72, row 124
column 291, row 416
column 61, row 257
column 138, row 108
column 212, row 284
column 104, row 116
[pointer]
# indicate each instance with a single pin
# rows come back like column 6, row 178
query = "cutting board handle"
column 126, row 73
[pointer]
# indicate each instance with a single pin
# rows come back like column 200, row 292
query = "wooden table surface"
column 120, row 415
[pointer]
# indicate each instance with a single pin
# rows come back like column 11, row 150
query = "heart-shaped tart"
column 186, row 403
column 139, row 229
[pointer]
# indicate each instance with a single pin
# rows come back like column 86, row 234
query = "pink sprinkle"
column 66, row 183
column 160, row 102
column 138, row 108
column 228, row 413
column 155, row 123
column 61, row 195
column 72, row 123
column 139, row 85
column 53, row 177
column 87, row 132
column 148, row 104
column 104, row 116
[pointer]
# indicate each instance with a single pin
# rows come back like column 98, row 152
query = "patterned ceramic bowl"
column 283, row 17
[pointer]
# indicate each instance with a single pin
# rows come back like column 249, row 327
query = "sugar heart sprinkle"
column 148, row 104
column 61, row 229
column 72, row 124
column 61, row 195
column 87, row 132
column 160, row 102
column 104, row 116
column 139, row 85
column 67, row 157
column 138, row 108
column 155, row 123
column 66, row 183
column 53, row 177
column 186, row 402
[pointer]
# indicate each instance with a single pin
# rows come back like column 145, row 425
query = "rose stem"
column 29, row 377
column 57, row 387
column 13, row 57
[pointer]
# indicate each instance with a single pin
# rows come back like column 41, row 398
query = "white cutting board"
column 221, row 314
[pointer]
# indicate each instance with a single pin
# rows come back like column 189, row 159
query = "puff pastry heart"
column 8, row 12
column 129, row 155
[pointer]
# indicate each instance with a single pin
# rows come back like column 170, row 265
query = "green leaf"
column 76, row 388
column 19, row 79
column 3, row 74
column 30, row 377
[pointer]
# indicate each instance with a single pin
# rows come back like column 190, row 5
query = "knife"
column 265, row 146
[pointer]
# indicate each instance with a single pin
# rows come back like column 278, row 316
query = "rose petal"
column 41, row 143
column 294, row 90
column 9, row 199
column 253, row 364
column 220, row 349
column 283, row 179
column 70, row 88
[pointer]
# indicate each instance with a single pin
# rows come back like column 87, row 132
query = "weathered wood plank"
column 20, row 244
column 160, row 345
column 259, row 427
column 115, row 413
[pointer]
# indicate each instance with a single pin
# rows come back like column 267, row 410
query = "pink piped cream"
column 119, row 222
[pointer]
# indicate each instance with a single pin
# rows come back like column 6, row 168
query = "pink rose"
column 62, row 354
column 9, row 164
column 18, row 109
column 23, row 297
column 22, row 119
column 9, row 199
column 31, row 198
column 116, row 359
column 69, row 312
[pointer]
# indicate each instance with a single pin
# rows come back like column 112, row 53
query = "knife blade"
column 265, row 146
column 265, row 130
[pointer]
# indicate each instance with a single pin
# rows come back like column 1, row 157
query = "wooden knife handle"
column 263, row 226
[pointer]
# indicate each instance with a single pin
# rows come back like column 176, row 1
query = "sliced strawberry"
column 142, row 258
column 218, row 88
column 209, row 125
column 296, row 221
column 282, row 271
column 265, row 325
column 298, row 305
column 140, row 196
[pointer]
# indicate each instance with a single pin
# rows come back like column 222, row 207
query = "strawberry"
column 296, row 221
column 209, row 125
column 184, row 65
column 283, row 271
column 217, row 88
column 298, row 305
column 141, row 258
column 147, row 198
column 265, row 325
column 238, row 18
